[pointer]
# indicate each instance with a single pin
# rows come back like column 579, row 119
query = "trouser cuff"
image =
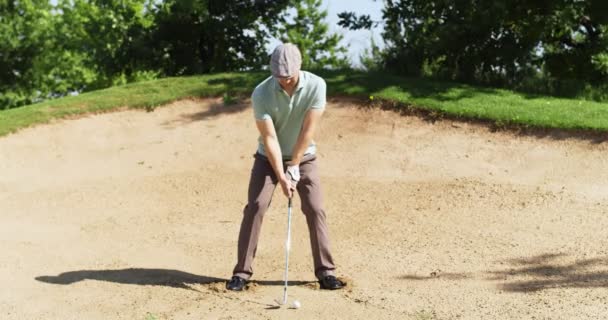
column 324, row 273
column 242, row 275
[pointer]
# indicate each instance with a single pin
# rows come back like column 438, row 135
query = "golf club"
column 287, row 248
column 296, row 303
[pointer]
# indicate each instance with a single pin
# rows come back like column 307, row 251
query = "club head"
column 279, row 301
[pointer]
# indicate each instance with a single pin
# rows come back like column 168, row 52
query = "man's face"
column 288, row 83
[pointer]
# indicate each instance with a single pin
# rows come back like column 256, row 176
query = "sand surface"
column 135, row 215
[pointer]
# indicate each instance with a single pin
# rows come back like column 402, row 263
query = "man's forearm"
column 273, row 153
column 304, row 140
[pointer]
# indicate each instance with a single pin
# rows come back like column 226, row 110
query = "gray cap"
column 285, row 61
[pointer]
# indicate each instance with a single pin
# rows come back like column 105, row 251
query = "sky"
column 355, row 41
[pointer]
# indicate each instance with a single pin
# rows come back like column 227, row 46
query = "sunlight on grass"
column 501, row 106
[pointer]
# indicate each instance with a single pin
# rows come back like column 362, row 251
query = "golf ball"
column 296, row 304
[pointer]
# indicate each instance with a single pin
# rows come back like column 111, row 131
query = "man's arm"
column 273, row 152
column 309, row 127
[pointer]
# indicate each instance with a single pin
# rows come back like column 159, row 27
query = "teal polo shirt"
column 287, row 113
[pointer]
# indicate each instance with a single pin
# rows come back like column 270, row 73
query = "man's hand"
column 289, row 180
column 293, row 173
column 285, row 183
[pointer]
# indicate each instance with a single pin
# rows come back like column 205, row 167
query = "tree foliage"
column 576, row 40
column 24, row 37
column 499, row 42
column 213, row 35
column 104, row 41
column 372, row 57
column 308, row 30
column 79, row 45
column 351, row 20
column 50, row 49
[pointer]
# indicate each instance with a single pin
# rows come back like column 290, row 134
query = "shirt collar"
column 301, row 82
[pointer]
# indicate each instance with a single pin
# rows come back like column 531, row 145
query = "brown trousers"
column 261, row 187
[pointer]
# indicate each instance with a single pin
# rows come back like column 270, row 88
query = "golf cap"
column 285, row 61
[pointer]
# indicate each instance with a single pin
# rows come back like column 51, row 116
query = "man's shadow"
column 137, row 276
column 153, row 277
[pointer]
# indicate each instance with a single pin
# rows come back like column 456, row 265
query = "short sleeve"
column 320, row 97
column 259, row 106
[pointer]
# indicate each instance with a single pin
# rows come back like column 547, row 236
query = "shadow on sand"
column 137, row 276
column 214, row 110
column 537, row 273
column 150, row 277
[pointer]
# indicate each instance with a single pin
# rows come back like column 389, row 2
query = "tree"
column 576, row 41
column 104, row 41
column 24, row 36
column 372, row 57
column 203, row 36
column 465, row 40
column 498, row 42
column 309, row 31
column 78, row 45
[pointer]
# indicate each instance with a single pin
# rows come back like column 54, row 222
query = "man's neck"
column 292, row 89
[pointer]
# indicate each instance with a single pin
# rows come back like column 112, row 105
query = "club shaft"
column 287, row 248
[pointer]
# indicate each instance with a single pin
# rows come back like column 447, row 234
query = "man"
column 287, row 107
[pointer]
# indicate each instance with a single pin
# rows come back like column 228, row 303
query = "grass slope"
column 501, row 106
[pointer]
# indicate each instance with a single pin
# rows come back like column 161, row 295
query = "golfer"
column 287, row 107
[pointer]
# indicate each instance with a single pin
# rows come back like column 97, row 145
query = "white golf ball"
column 296, row 304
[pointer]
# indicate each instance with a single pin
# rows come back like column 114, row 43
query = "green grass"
column 424, row 315
column 145, row 95
column 503, row 107
column 451, row 99
column 150, row 316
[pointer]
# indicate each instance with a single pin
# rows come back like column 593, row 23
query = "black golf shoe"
column 236, row 284
column 331, row 283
